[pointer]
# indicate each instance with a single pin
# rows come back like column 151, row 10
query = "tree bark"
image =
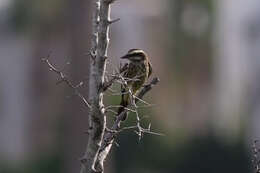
column 97, row 119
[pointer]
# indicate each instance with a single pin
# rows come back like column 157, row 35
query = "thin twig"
column 109, row 83
column 109, row 137
column 64, row 78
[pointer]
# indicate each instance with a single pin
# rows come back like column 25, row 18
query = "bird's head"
column 135, row 55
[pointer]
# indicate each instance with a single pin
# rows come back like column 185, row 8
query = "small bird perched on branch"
column 135, row 74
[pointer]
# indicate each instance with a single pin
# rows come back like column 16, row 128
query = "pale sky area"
column 4, row 3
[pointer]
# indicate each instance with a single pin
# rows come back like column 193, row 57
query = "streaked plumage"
column 136, row 72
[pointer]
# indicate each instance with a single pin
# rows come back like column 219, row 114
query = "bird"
column 135, row 72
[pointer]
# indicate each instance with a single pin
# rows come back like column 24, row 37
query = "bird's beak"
column 125, row 56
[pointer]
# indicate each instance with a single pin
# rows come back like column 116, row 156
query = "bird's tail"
column 123, row 105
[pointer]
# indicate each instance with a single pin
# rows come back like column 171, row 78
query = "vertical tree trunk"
column 97, row 119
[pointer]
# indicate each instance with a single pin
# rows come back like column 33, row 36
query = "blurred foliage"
column 42, row 164
column 31, row 15
column 191, row 24
column 190, row 45
column 199, row 155
column 190, row 59
column 176, row 152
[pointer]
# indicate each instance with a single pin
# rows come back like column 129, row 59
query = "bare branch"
column 148, row 87
column 109, row 83
column 64, row 78
column 110, row 137
column 141, row 100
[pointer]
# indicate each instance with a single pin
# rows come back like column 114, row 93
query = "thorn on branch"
column 113, row 21
column 104, row 58
column 80, row 84
column 109, row 1
column 117, row 144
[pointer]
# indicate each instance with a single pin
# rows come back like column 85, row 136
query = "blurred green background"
column 205, row 52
